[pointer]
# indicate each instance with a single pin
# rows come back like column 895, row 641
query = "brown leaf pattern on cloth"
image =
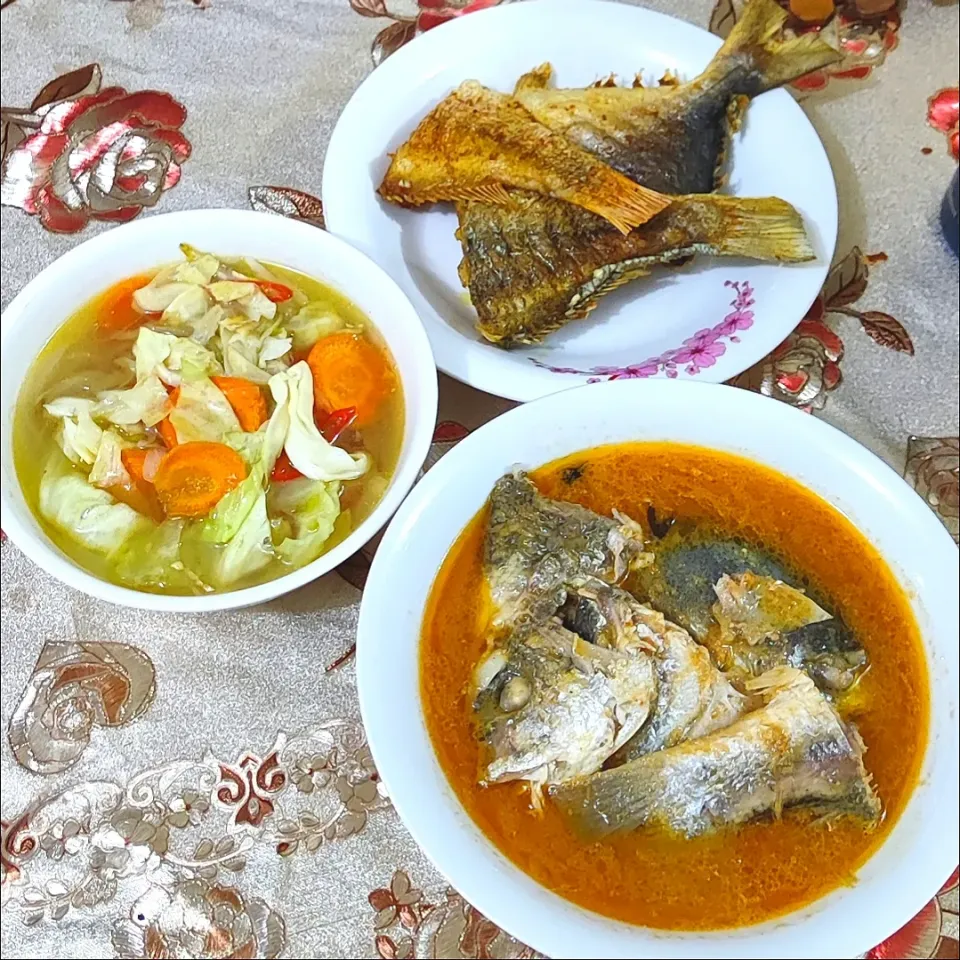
column 865, row 37
column 75, row 687
column 933, row 470
column 288, row 203
column 446, row 435
column 186, row 822
column 806, row 366
column 80, row 152
column 407, row 23
column 406, row 926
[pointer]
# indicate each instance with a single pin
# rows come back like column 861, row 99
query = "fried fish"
column 537, row 263
column 693, row 697
column 738, row 600
column 673, row 138
column 793, row 751
column 532, row 267
column 477, row 142
column 537, row 548
column 550, row 706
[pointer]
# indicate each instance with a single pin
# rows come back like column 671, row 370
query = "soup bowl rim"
column 897, row 879
column 353, row 275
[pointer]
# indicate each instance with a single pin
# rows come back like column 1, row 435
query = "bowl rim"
column 416, row 445
column 469, row 859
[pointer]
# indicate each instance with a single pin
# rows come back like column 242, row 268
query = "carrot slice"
column 167, row 431
column 194, row 476
column 133, row 459
column 139, row 492
column 115, row 308
column 277, row 292
column 284, row 470
column 350, row 371
column 247, row 400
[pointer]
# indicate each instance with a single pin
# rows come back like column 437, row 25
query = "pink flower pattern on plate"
column 696, row 354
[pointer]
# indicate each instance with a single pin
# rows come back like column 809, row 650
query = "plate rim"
column 473, row 362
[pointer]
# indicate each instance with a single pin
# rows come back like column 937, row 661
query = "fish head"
column 553, row 706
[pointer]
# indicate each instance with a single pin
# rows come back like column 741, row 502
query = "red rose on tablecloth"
column 89, row 153
column 412, row 17
column 943, row 114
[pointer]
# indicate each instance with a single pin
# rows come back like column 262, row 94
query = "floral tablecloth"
column 201, row 786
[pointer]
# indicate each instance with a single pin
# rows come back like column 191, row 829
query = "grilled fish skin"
column 673, row 138
column 551, row 706
column 691, row 569
column 694, row 698
column 793, row 751
column 537, row 263
column 476, row 142
column 536, row 548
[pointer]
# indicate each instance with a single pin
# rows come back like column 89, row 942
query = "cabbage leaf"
column 312, row 507
column 202, row 412
column 86, row 513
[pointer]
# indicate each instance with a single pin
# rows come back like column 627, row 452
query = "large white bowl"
column 44, row 303
column 920, row 851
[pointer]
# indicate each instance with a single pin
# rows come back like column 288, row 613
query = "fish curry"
column 644, row 621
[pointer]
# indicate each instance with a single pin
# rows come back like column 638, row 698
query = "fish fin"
column 476, row 142
column 758, row 35
column 764, row 228
column 536, row 79
column 625, row 204
column 776, row 680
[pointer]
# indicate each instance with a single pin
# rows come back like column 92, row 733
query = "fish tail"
column 765, row 228
column 777, row 59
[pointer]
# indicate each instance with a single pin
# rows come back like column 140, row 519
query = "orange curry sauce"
column 741, row 876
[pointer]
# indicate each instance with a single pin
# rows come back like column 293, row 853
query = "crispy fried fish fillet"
column 534, row 265
column 673, row 138
column 476, row 142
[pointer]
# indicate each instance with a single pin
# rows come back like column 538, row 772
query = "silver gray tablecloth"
column 211, row 794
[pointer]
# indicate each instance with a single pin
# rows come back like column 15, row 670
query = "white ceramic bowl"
column 48, row 300
column 920, row 851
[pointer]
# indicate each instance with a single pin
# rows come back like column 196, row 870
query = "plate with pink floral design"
column 708, row 320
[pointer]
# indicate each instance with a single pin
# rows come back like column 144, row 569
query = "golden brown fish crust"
column 476, row 142
column 534, row 265
column 673, row 138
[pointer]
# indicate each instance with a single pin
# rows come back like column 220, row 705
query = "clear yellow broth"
column 80, row 360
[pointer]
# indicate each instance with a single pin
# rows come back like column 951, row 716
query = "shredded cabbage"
column 313, row 321
column 78, row 435
column 202, row 413
column 306, row 447
column 186, row 309
column 108, row 469
column 147, row 401
column 312, row 506
column 86, row 513
column 150, row 558
column 188, row 360
column 150, row 352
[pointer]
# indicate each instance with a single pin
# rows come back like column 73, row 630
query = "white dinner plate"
column 708, row 321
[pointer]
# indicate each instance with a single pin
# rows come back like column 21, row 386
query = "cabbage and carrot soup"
column 208, row 426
